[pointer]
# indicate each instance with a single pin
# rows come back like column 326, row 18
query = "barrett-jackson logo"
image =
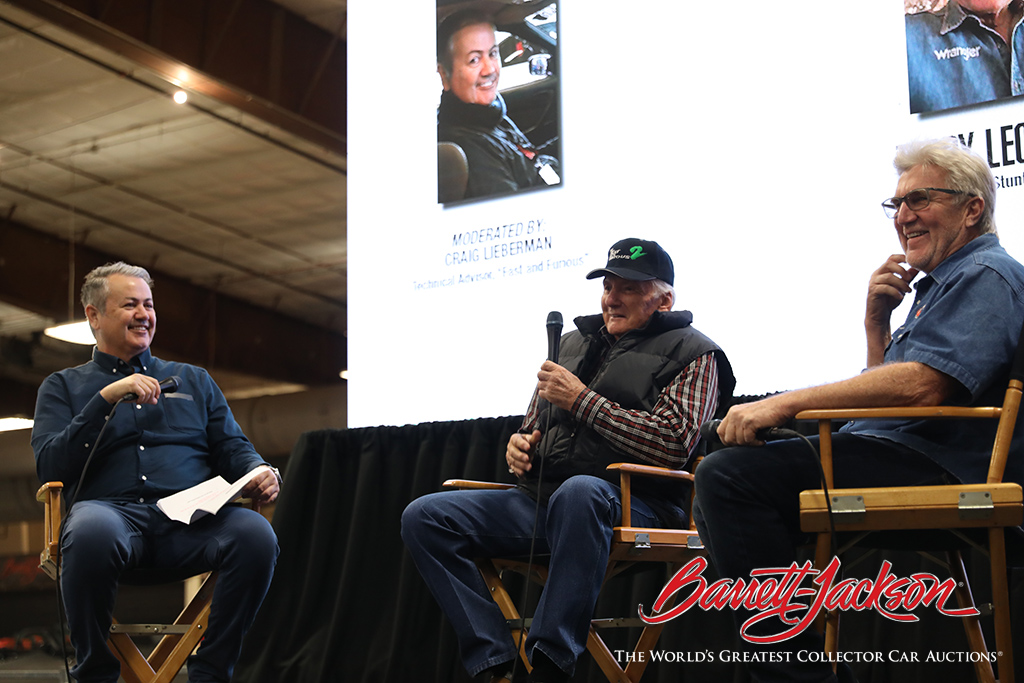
column 777, row 594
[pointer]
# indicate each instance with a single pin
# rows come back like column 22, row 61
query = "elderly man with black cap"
column 632, row 384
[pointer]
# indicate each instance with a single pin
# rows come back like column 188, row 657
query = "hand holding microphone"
column 555, row 384
column 140, row 388
column 750, row 424
column 167, row 386
column 709, row 433
column 519, row 452
column 520, row 449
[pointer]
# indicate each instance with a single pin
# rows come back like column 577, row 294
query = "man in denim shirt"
column 956, row 348
column 967, row 52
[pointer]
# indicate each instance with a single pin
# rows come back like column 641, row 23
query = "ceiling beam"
column 40, row 273
column 299, row 86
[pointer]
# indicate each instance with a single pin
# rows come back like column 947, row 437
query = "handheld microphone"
column 167, row 386
column 709, row 432
column 554, row 325
column 554, row 335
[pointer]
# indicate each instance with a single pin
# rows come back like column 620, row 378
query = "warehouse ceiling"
column 235, row 200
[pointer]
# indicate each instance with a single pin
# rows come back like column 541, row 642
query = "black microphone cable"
column 171, row 384
column 779, row 433
column 554, row 326
column 816, row 455
column 709, row 432
column 61, row 616
column 167, row 386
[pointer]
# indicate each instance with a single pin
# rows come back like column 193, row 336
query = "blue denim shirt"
column 965, row 321
column 954, row 60
column 147, row 451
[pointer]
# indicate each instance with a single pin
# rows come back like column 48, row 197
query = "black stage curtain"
column 348, row 605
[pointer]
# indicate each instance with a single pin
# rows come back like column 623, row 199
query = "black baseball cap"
column 636, row 259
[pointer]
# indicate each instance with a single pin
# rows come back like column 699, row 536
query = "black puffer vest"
column 632, row 372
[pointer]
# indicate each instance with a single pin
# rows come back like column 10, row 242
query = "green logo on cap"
column 636, row 252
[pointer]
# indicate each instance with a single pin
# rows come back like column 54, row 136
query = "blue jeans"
column 103, row 540
column 747, row 511
column 446, row 531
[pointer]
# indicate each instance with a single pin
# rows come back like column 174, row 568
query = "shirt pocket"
column 896, row 349
column 182, row 413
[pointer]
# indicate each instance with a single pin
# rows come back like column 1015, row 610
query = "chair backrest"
column 1008, row 417
column 452, row 172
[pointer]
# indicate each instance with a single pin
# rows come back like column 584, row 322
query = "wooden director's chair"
column 962, row 511
column 177, row 640
column 630, row 545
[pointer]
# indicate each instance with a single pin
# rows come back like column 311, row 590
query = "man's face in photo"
column 476, row 64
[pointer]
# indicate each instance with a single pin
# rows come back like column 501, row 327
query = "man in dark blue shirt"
column 152, row 446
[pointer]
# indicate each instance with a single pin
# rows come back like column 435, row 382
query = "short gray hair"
column 95, row 289
column 965, row 171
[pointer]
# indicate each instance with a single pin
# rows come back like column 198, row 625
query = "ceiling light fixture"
column 75, row 333
column 181, row 97
column 10, row 424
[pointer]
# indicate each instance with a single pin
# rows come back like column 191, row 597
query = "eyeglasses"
column 915, row 200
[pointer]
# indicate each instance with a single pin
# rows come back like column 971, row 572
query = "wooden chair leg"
column 134, row 667
column 605, row 659
column 827, row 622
column 1001, row 603
column 197, row 611
column 183, row 647
column 972, row 625
column 648, row 639
column 822, row 556
column 507, row 606
column 170, row 653
column 635, row 667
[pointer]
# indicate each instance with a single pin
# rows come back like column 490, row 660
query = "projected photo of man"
column 497, row 120
column 962, row 52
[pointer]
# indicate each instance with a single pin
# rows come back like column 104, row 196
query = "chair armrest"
column 49, row 495
column 826, row 416
column 469, row 484
column 627, row 469
column 650, row 471
column 919, row 412
column 49, row 488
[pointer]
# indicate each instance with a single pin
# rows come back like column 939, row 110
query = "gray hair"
column 965, row 171
column 660, row 288
column 95, row 289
